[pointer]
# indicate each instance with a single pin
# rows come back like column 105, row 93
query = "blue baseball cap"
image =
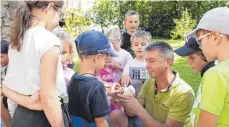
column 191, row 46
column 94, row 42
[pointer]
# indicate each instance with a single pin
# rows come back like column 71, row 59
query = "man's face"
column 156, row 63
column 4, row 59
column 132, row 23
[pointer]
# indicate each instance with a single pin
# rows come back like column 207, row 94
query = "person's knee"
column 118, row 117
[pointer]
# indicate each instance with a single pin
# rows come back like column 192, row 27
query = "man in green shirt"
column 166, row 98
column 211, row 107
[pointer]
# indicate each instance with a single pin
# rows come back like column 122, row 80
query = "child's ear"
column 124, row 23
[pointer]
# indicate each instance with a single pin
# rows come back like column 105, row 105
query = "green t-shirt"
column 213, row 95
column 175, row 102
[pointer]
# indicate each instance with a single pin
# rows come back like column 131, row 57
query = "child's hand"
column 35, row 97
column 115, row 89
column 125, row 80
column 116, row 66
column 34, row 102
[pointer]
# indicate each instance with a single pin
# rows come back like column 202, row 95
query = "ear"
column 217, row 37
column 97, row 57
column 169, row 62
column 50, row 7
column 124, row 23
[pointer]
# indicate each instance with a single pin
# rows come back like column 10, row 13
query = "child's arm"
column 106, row 84
column 125, row 79
column 32, row 102
column 99, row 106
column 116, row 66
column 101, row 122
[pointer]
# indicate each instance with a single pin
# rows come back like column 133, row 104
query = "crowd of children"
column 110, row 64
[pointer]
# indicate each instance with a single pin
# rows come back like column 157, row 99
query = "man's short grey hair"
column 164, row 48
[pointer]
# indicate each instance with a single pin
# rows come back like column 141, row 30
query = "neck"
column 224, row 54
column 140, row 58
column 86, row 69
column 130, row 32
column 118, row 49
column 164, row 80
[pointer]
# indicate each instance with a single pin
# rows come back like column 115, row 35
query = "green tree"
column 105, row 13
column 74, row 18
column 183, row 25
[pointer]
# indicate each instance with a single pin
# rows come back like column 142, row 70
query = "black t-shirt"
column 209, row 65
column 126, row 44
column 87, row 99
column 126, row 41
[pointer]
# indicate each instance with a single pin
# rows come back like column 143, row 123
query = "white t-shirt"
column 23, row 73
column 137, row 71
column 123, row 57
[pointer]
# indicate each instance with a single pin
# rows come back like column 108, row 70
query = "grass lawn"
column 180, row 65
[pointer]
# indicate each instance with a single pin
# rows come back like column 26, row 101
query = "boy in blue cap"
column 196, row 59
column 88, row 103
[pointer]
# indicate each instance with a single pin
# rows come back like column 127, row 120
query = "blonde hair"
column 141, row 34
column 68, row 39
column 114, row 32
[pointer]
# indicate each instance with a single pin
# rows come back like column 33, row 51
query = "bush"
column 183, row 25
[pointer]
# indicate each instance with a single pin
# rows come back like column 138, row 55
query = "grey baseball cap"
column 216, row 19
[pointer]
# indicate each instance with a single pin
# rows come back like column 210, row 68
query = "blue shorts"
column 134, row 122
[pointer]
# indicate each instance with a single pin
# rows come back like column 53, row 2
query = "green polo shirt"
column 213, row 95
column 175, row 102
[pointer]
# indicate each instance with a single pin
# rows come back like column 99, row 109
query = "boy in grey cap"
column 212, row 102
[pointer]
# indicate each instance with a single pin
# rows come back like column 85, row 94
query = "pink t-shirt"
column 106, row 74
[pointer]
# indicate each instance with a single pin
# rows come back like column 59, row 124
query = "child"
column 212, row 102
column 67, row 53
column 114, row 37
column 131, row 23
column 5, row 116
column 196, row 59
column 135, row 71
column 88, row 103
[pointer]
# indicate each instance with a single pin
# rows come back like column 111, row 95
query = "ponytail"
column 21, row 22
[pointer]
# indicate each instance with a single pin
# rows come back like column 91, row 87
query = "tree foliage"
column 156, row 16
column 105, row 12
column 75, row 18
column 183, row 25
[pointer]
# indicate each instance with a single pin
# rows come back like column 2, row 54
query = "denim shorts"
column 134, row 122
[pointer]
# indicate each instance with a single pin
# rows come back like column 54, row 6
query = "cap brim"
column 112, row 52
column 192, row 33
column 184, row 51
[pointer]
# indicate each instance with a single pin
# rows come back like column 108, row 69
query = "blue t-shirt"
column 87, row 100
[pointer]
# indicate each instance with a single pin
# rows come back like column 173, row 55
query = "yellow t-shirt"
column 175, row 102
column 213, row 95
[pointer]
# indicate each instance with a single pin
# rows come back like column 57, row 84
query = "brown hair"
column 200, row 53
column 22, row 20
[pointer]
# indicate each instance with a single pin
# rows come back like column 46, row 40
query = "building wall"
column 7, row 11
